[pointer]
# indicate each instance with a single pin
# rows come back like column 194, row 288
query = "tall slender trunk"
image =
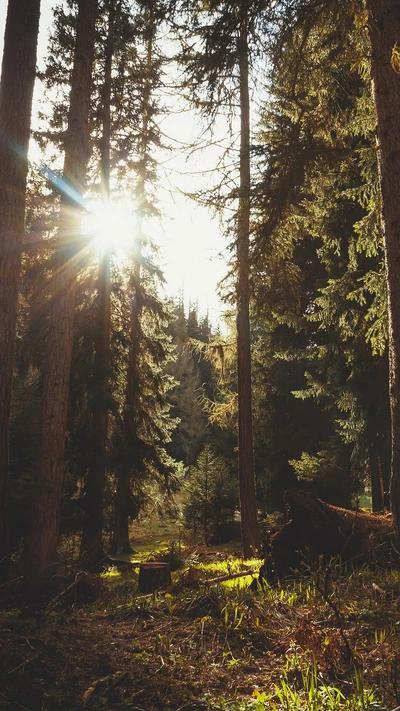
column 120, row 539
column 248, row 506
column 384, row 33
column 123, row 512
column 41, row 549
column 92, row 535
column 16, row 92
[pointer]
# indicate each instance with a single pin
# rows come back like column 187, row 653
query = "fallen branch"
column 231, row 576
column 12, row 701
column 24, row 664
column 56, row 601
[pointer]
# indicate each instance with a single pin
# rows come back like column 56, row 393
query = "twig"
column 137, row 693
column 117, row 682
column 66, row 592
column 24, row 664
column 11, row 701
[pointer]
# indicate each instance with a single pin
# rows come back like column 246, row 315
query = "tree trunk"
column 41, row 549
column 376, row 482
column 248, row 506
column 92, row 550
column 120, row 540
column 16, row 92
column 384, row 33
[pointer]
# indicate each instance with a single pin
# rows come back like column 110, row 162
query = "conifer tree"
column 92, row 534
column 318, row 248
column 42, row 541
column 223, row 33
column 384, row 34
column 146, row 423
column 16, row 92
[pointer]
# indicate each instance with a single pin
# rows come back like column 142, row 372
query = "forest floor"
column 323, row 642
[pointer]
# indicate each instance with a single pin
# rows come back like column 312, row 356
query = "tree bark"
column 41, row 549
column 16, row 91
column 248, row 505
column 92, row 550
column 384, row 33
column 120, row 540
column 376, row 482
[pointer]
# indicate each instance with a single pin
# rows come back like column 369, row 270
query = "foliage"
column 210, row 496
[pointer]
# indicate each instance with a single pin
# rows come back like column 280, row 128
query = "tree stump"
column 153, row 576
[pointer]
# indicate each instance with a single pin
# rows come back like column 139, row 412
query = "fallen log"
column 319, row 531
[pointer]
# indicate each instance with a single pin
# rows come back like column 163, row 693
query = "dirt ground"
column 205, row 646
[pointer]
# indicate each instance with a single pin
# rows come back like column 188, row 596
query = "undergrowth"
column 313, row 644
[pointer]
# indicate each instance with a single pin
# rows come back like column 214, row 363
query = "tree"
column 223, row 33
column 146, row 423
column 41, row 549
column 210, row 498
column 248, row 504
column 384, row 34
column 92, row 533
column 319, row 292
column 16, row 93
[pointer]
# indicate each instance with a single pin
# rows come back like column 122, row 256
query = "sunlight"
column 111, row 228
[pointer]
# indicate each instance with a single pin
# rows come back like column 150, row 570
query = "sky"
column 192, row 247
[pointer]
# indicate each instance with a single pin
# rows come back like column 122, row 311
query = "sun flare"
column 111, row 228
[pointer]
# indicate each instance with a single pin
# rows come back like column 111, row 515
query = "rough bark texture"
column 92, row 551
column 317, row 529
column 16, row 92
column 42, row 540
column 248, row 506
column 384, row 32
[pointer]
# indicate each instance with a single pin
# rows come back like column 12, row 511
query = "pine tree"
column 42, row 542
column 146, row 423
column 16, row 93
column 92, row 534
column 223, row 31
column 384, row 34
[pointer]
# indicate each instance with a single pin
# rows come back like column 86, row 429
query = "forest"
column 200, row 514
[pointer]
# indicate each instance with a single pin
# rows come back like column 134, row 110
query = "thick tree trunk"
column 16, row 92
column 248, row 506
column 92, row 551
column 384, row 32
column 41, row 549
